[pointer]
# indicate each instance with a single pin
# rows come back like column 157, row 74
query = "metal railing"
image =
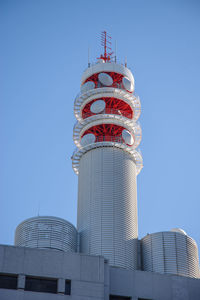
column 113, row 60
column 109, row 111
column 114, row 85
column 105, row 89
column 109, row 138
column 78, row 152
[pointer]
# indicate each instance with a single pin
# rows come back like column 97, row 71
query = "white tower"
column 106, row 135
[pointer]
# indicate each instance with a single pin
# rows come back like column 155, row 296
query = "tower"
column 106, row 135
column 46, row 260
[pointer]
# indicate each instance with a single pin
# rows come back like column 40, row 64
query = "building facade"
column 45, row 274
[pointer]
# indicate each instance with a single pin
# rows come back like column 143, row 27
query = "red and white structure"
column 106, row 160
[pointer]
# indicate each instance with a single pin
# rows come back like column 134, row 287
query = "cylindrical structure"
column 107, row 135
column 107, row 206
column 170, row 252
column 46, row 232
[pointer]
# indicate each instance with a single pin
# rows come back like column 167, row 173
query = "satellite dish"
column 127, row 84
column 98, row 106
column 105, row 79
column 89, row 85
column 127, row 137
column 88, row 139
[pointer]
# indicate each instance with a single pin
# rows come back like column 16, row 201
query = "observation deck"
column 107, row 111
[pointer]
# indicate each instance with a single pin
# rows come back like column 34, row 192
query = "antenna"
column 115, row 51
column 38, row 208
column 88, row 57
column 106, row 43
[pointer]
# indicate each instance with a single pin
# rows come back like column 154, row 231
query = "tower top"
column 106, row 43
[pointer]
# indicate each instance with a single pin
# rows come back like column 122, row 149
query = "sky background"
column 43, row 53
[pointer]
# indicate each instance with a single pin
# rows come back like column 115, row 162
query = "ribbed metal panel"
column 46, row 232
column 170, row 253
column 107, row 206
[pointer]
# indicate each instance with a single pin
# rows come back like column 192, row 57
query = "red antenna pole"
column 105, row 40
column 105, row 53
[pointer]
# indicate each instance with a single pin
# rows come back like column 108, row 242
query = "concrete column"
column 61, row 286
column 21, row 281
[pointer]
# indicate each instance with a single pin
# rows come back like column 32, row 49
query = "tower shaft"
column 107, row 206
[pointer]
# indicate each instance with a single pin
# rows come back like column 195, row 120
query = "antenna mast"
column 106, row 43
column 88, row 57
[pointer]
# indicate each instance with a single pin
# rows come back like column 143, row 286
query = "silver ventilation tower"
column 106, row 135
column 170, row 252
column 46, row 233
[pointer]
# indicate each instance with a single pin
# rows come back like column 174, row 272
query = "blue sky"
column 44, row 46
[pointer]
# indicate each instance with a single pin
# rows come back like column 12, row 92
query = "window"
column 39, row 284
column 8, row 281
column 112, row 297
column 67, row 287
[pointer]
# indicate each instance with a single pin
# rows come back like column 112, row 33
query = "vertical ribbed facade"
column 107, row 206
column 170, row 253
column 46, row 232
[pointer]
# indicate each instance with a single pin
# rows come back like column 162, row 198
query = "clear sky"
column 44, row 48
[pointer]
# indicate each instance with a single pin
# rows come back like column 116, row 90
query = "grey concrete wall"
column 91, row 277
column 148, row 285
column 85, row 272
